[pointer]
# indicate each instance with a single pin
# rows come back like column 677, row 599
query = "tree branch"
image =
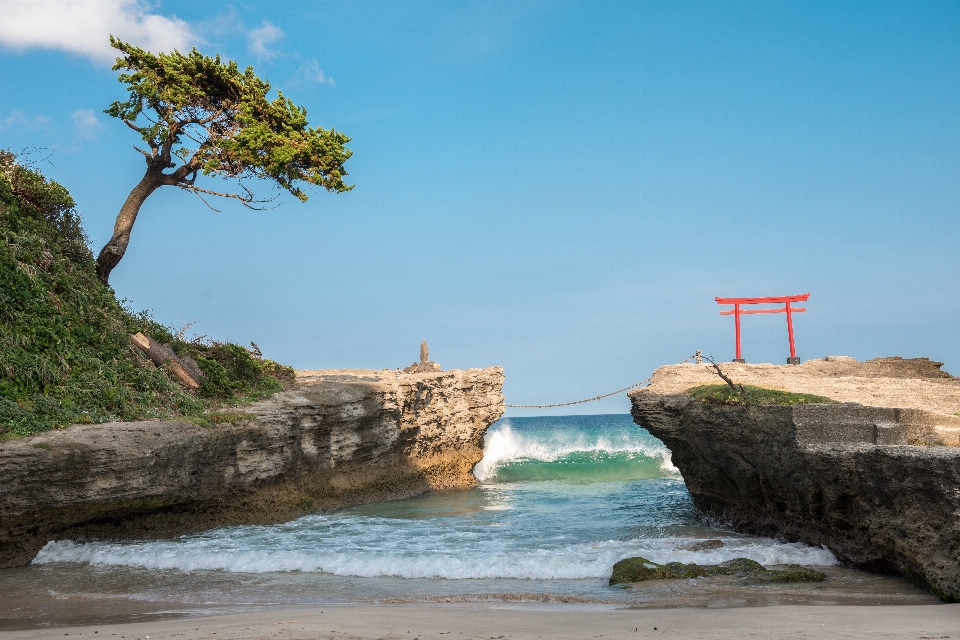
column 210, row 206
column 737, row 388
column 248, row 200
column 132, row 126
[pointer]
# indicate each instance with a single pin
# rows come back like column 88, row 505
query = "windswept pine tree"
column 200, row 116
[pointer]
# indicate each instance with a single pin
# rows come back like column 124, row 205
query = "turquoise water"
column 559, row 501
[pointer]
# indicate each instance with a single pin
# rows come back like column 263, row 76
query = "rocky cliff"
column 337, row 438
column 878, row 486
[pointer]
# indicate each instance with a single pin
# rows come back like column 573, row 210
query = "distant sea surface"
column 559, row 501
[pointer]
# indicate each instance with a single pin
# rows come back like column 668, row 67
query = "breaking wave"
column 558, row 453
column 456, row 561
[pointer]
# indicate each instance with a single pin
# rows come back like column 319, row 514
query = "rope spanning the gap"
column 697, row 356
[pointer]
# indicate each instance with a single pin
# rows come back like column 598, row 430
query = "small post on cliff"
column 425, row 365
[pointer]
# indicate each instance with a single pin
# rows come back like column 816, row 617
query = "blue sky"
column 560, row 188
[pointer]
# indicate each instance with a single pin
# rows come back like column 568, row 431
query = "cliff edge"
column 914, row 383
column 877, row 485
column 340, row 437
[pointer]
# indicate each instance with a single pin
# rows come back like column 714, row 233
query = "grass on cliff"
column 724, row 394
column 65, row 353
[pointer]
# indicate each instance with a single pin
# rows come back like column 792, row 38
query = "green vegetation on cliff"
column 65, row 353
column 725, row 394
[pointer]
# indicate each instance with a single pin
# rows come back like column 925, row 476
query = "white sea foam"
column 503, row 445
column 576, row 561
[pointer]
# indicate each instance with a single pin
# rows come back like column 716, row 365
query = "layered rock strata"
column 338, row 438
column 878, row 486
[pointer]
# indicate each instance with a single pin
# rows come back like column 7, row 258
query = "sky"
column 557, row 188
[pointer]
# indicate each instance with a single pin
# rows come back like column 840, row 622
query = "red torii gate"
column 786, row 300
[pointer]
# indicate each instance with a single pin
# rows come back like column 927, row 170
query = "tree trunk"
column 185, row 369
column 113, row 251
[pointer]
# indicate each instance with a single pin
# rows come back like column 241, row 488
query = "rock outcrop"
column 916, row 383
column 878, row 486
column 338, row 438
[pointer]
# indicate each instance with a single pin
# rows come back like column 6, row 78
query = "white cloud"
column 18, row 120
column 311, row 72
column 259, row 40
column 86, row 124
column 84, row 26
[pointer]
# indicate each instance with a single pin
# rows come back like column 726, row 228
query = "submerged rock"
column 703, row 545
column 640, row 570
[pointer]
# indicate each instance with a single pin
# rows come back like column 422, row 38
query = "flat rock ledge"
column 878, row 486
column 340, row 437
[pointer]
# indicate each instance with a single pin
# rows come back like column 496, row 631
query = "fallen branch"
column 737, row 388
column 185, row 369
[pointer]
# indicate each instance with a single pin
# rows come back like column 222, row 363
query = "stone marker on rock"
column 425, row 365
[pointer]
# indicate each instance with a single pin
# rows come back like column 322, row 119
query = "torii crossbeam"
column 785, row 300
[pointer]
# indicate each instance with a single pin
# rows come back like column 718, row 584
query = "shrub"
column 724, row 394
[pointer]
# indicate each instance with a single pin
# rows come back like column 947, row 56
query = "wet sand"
column 501, row 620
column 71, row 595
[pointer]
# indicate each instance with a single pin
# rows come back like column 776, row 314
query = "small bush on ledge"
column 724, row 394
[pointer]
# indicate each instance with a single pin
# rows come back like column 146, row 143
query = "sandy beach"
column 439, row 621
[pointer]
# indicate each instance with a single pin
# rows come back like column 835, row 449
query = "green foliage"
column 724, row 394
column 233, row 373
column 65, row 354
column 223, row 121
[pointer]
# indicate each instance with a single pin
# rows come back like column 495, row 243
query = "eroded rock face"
column 845, row 476
column 338, row 438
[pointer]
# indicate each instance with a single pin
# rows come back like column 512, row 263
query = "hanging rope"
column 697, row 356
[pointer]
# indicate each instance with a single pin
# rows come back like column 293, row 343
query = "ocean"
column 558, row 502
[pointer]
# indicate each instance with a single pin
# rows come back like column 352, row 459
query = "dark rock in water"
column 640, row 570
column 744, row 565
column 703, row 545
column 795, row 573
column 682, row 570
column 845, row 476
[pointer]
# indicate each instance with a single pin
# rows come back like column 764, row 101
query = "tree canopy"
column 199, row 115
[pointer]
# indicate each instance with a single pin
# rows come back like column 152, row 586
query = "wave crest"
column 557, row 454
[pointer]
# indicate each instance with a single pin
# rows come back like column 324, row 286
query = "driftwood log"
column 162, row 355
